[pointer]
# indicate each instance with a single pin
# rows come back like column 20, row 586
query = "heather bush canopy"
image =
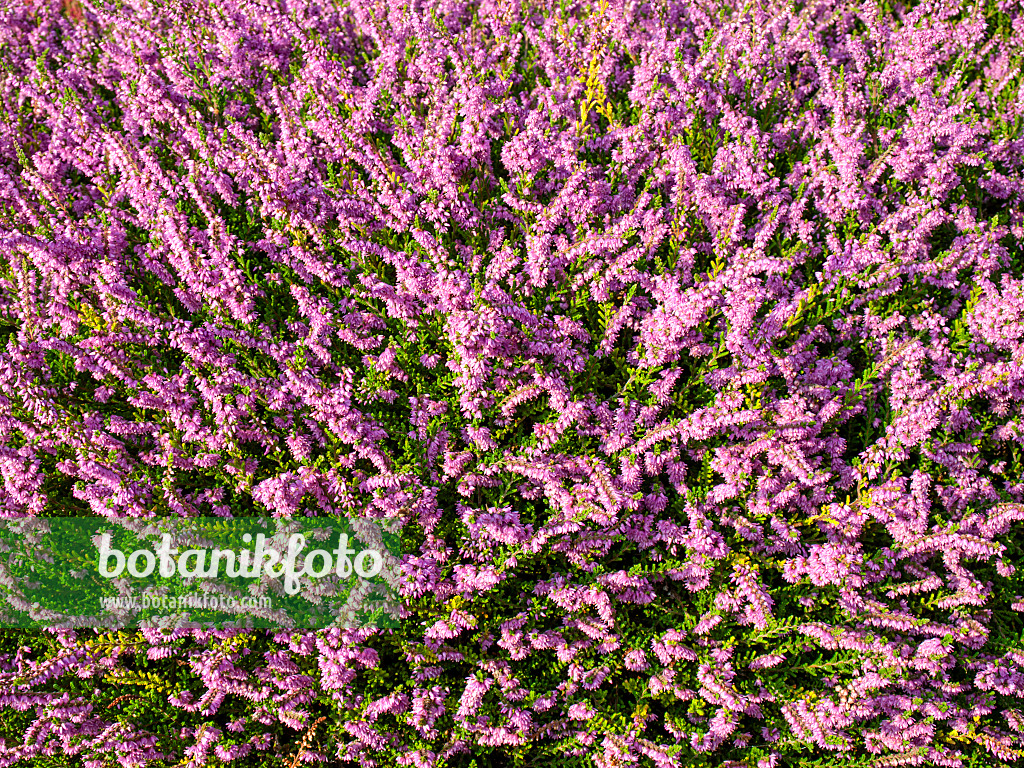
column 684, row 340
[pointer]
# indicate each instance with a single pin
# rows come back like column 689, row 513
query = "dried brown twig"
column 306, row 739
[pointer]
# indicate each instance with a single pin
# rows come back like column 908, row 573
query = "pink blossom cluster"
column 684, row 339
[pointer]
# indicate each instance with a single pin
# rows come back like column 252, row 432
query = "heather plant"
column 685, row 341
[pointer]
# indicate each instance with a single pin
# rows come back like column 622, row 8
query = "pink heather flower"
column 636, row 660
column 580, row 711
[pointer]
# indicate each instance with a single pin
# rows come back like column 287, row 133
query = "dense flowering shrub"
column 685, row 339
